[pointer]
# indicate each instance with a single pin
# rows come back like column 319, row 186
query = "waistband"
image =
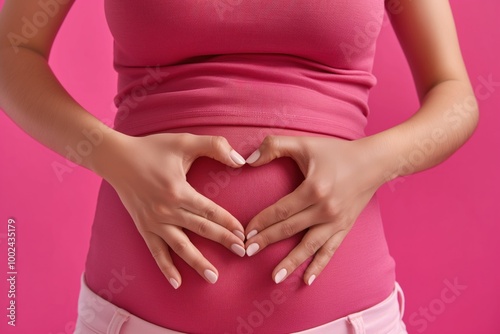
column 101, row 316
column 384, row 317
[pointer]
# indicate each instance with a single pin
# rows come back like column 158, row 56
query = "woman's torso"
column 252, row 68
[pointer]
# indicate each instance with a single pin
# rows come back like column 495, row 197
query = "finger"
column 312, row 241
column 323, row 256
column 284, row 208
column 215, row 147
column 210, row 230
column 198, row 204
column 273, row 147
column 182, row 246
column 159, row 251
column 285, row 229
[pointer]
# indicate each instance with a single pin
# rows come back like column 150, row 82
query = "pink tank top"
column 232, row 66
column 304, row 65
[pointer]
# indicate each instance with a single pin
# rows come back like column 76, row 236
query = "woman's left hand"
column 341, row 177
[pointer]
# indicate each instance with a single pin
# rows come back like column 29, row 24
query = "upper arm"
column 32, row 24
column 427, row 34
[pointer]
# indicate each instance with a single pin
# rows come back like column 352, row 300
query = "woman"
column 288, row 240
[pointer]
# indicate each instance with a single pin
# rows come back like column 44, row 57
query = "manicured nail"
column 251, row 234
column 253, row 157
column 174, row 283
column 236, row 157
column 252, row 249
column 210, row 275
column 280, row 276
column 311, row 280
column 239, row 234
column 238, row 249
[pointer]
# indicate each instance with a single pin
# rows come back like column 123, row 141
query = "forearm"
column 35, row 100
column 446, row 119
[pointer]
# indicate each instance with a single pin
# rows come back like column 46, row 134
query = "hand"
column 340, row 179
column 149, row 175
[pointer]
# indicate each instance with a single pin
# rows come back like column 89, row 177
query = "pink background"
column 442, row 225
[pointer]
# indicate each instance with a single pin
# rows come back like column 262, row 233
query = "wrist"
column 377, row 159
column 106, row 151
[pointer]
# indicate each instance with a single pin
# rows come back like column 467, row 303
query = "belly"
column 245, row 299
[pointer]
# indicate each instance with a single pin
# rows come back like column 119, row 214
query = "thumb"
column 273, row 147
column 217, row 148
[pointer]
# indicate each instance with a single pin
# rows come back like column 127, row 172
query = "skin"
column 336, row 188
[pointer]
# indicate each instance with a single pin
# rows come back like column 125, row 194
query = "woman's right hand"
column 149, row 175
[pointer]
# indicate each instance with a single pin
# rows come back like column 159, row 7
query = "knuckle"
column 319, row 190
column 287, row 229
column 294, row 262
column 281, row 212
column 265, row 239
column 197, row 202
column 319, row 265
column 159, row 208
column 202, row 228
column 270, row 142
column 183, row 138
column 180, row 219
column 311, row 246
column 331, row 209
column 218, row 142
column 174, row 194
column 225, row 238
column 328, row 251
column 211, row 213
column 180, row 246
column 157, row 252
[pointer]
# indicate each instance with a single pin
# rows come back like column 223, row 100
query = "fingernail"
column 239, row 234
column 251, row 234
column 210, row 275
column 236, row 157
column 280, row 275
column 311, row 280
column 174, row 283
column 253, row 157
column 252, row 249
column 238, row 249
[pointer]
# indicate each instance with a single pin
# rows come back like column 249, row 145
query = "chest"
column 168, row 31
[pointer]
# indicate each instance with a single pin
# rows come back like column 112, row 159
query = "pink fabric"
column 255, row 67
column 185, row 63
column 98, row 316
column 360, row 274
